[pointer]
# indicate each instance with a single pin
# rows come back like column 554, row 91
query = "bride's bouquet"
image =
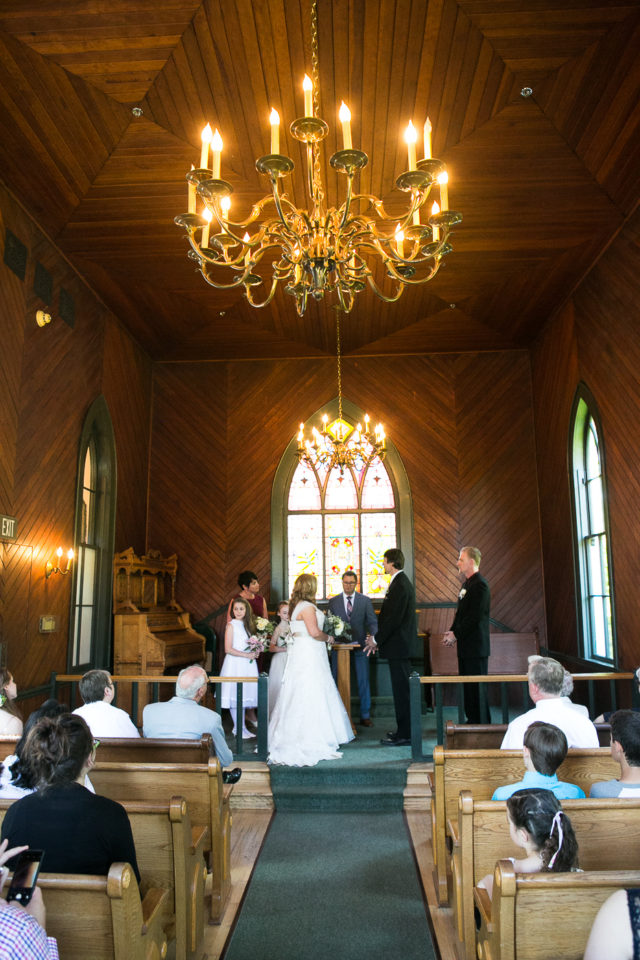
column 337, row 628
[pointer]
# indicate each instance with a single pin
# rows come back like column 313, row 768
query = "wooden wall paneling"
column 497, row 483
column 126, row 384
column 555, row 376
column 188, row 479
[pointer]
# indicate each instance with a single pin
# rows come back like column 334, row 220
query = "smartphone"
column 25, row 876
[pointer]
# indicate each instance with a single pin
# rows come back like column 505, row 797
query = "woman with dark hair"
column 538, row 824
column 10, row 722
column 16, row 779
column 79, row 831
column 249, row 587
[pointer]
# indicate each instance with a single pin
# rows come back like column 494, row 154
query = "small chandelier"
column 339, row 444
column 324, row 249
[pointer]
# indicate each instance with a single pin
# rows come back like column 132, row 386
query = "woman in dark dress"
column 79, row 831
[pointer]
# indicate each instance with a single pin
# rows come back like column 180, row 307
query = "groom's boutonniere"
column 462, row 593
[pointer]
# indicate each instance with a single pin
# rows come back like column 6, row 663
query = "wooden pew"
column 608, row 834
column 170, row 855
column 510, row 653
column 104, row 917
column 541, row 915
column 481, row 771
column 128, row 750
column 479, row 736
column 7, row 746
column 207, row 800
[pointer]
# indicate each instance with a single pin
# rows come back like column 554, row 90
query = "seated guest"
column 183, row 718
column 16, row 779
column 615, row 933
column 538, row 824
column 22, row 929
column 79, row 831
column 625, row 749
column 545, row 747
column 104, row 720
column 546, row 678
column 10, row 722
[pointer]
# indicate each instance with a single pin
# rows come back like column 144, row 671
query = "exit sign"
column 8, row 528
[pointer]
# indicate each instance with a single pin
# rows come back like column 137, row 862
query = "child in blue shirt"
column 545, row 747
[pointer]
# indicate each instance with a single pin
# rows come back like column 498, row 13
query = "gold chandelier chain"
column 318, row 192
column 339, row 365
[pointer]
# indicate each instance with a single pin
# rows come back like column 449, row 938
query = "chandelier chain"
column 339, row 364
column 318, row 191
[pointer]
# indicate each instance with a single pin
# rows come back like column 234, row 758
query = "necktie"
column 349, row 608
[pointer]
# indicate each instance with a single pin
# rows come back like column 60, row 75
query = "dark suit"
column 396, row 635
column 363, row 621
column 471, row 629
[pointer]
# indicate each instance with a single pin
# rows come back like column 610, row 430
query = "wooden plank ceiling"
column 544, row 182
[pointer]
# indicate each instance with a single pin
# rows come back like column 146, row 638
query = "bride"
column 309, row 720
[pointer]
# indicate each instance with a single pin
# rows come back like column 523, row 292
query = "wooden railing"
column 505, row 680
column 72, row 679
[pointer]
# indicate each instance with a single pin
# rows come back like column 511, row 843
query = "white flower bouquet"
column 336, row 627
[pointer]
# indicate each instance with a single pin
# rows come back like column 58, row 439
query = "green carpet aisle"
column 333, row 887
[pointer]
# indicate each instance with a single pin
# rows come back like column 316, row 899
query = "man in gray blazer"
column 357, row 610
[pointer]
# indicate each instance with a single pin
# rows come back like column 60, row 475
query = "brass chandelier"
column 323, row 249
column 339, row 444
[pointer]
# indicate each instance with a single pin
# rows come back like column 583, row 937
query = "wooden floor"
column 252, row 810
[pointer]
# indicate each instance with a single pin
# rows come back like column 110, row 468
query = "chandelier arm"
column 266, row 302
column 220, row 286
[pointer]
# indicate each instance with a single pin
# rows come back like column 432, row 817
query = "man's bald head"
column 190, row 681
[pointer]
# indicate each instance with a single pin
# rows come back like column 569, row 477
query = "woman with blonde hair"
column 309, row 721
column 10, row 722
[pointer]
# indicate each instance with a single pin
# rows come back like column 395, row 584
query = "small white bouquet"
column 336, row 627
column 264, row 627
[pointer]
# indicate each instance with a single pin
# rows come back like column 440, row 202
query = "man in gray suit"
column 357, row 610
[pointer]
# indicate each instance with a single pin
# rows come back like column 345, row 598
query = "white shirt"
column 577, row 728
column 105, row 720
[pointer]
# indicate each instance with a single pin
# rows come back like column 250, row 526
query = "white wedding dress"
column 309, row 720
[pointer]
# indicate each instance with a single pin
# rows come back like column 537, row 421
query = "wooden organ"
column 152, row 633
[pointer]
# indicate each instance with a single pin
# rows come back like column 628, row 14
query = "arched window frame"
column 591, row 535
column 96, row 535
column 280, row 496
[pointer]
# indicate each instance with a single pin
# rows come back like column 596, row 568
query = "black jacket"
column 397, row 619
column 471, row 622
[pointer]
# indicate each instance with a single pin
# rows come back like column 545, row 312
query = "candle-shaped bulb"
column 225, row 206
column 216, row 148
column 307, row 86
column 70, row 554
column 191, row 195
column 206, row 140
column 59, row 552
column 274, row 120
column 345, row 119
column 443, row 180
column 427, row 139
column 399, row 238
column 247, row 256
column 204, row 241
column 410, row 137
column 435, row 209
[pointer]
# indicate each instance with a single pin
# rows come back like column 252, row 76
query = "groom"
column 396, row 633
column 357, row 610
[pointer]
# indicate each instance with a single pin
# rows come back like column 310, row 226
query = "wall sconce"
column 42, row 318
column 50, row 568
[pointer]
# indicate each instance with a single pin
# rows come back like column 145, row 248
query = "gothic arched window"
column 328, row 522
column 591, row 532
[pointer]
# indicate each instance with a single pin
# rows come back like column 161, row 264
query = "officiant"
column 357, row 610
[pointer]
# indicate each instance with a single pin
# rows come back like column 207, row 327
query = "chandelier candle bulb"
column 443, row 180
column 274, row 120
column 204, row 242
column 399, row 238
column 345, row 120
column 427, row 139
column 204, row 153
column 216, row 147
column 191, row 194
column 416, row 217
column 410, row 137
column 247, row 256
column 435, row 210
column 307, row 86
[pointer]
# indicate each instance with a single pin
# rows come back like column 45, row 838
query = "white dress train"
column 309, row 720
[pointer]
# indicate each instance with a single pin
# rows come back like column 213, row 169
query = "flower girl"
column 279, row 648
column 239, row 661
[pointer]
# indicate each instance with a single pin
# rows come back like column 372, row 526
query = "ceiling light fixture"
column 324, row 249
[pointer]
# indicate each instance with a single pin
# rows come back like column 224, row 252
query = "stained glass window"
column 339, row 522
